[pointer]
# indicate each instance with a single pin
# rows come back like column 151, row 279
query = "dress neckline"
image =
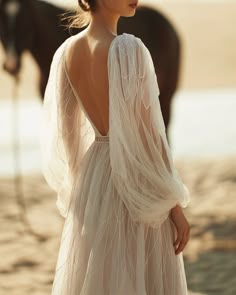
column 72, row 87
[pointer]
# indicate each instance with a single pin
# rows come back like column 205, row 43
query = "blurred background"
column 202, row 134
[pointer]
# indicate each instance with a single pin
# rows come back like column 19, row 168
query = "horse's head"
column 15, row 32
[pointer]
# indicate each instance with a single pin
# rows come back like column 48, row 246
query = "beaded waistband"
column 102, row 139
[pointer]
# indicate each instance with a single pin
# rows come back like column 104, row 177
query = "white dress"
column 115, row 191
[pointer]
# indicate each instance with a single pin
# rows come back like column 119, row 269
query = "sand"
column 28, row 259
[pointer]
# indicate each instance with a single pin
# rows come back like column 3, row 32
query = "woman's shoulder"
column 127, row 37
column 63, row 45
column 130, row 43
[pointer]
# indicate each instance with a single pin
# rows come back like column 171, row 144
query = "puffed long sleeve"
column 65, row 135
column 142, row 166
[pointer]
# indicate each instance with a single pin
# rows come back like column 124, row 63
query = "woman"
column 106, row 155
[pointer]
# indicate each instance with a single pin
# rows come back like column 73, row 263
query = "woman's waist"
column 102, row 139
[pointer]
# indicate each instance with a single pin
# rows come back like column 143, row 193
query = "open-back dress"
column 115, row 191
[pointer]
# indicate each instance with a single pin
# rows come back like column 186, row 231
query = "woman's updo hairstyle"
column 82, row 15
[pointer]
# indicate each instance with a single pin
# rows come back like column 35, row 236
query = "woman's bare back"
column 86, row 62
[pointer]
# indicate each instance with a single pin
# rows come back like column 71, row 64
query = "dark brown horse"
column 35, row 26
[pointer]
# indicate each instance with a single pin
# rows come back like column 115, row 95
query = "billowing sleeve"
column 143, row 172
column 65, row 133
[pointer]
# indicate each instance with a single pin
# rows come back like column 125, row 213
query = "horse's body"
column 35, row 26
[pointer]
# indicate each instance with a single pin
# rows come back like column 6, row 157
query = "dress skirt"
column 102, row 251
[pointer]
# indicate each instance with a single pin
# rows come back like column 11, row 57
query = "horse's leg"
column 165, row 102
column 167, row 92
column 169, row 78
column 42, row 83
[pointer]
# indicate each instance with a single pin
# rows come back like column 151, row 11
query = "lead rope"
column 18, row 175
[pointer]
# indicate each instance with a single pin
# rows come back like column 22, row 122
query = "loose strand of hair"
column 77, row 18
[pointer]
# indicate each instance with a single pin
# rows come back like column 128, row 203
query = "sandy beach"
column 28, row 253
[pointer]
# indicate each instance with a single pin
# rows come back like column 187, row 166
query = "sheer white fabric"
column 66, row 133
column 115, row 193
column 142, row 165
